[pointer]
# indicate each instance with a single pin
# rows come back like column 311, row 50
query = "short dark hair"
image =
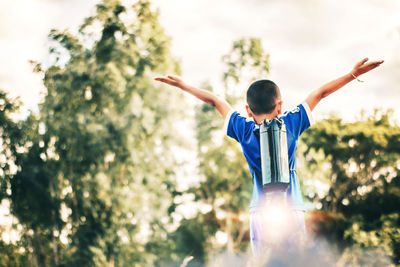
column 262, row 96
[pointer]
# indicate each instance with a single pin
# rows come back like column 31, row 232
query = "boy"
column 264, row 102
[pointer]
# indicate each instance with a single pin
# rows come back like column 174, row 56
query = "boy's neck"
column 259, row 118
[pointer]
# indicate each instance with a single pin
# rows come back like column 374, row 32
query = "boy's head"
column 263, row 100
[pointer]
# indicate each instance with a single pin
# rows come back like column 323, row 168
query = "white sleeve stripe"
column 308, row 111
column 227, row 119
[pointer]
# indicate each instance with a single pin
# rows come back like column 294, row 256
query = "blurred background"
column 102, row 166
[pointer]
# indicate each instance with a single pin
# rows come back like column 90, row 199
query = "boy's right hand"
column 171, row 80
column 210, row 98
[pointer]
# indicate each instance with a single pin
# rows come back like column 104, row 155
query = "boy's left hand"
column 363, row 66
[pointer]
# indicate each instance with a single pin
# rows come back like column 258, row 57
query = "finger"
column 160, row 79
column 174, row 78
column 374, row 64
column 379, row 62
column 362, row 62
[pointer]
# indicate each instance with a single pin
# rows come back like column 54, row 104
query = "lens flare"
column 277, row 219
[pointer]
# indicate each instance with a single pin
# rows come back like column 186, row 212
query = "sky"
column 310, row 42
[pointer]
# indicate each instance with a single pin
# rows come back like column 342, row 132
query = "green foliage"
column 97, row 159
column 247, row 59
column 10, row 256
column 6, row 123
column 191, row 237
column 362, row 161
column 12, row 141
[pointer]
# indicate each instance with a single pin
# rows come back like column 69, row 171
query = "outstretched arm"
column 221, row 105
column 327, row 89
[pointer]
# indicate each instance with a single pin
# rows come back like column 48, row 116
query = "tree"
column 94, row 184
column 12, row 142
column 9, row 136
column 361, row 159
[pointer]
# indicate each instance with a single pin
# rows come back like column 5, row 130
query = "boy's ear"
column 279, row 107
column 249, row 112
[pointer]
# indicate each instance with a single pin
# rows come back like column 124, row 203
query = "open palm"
column 364, row 66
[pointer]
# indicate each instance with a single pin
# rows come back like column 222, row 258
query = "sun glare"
column 277, row 219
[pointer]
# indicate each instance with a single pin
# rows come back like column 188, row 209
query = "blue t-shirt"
column 247, row 133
